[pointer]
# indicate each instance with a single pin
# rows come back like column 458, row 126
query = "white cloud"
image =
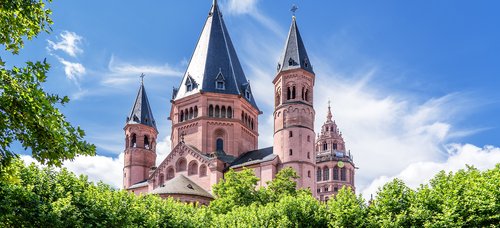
column 68, row 42
column 421, row 172
column 74, row 71
column 98, row 168
column 121, row 72
column 162, row 149
column 241, row 6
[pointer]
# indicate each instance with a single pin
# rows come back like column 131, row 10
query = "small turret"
column 140, row 140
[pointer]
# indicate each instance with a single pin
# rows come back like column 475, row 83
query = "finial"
column 329, row 114
column 142, row 78
column 294, row 9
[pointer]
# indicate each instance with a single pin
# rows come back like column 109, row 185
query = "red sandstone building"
column 215, row 126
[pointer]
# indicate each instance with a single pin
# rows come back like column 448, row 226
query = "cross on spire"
column 294, row 9
column 142, row 78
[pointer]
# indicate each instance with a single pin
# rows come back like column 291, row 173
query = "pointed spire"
column 214, row 55
column 329, row 115
column 294, row 55
column 141, row 111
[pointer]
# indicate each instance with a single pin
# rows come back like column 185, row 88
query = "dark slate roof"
column 141, row 111
column 139, row 184
column 214, row 58
column 181, row 185
column 254, row 157
column 294, row 55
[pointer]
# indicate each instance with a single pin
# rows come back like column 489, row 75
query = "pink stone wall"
column 240, row 134
column 329, row 186
column 139, row 157
column 294, row 124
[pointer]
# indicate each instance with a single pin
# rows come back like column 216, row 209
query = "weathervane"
column 294, row 9
column 142, row 77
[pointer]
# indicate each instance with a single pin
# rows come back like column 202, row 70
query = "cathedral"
column 215, row 127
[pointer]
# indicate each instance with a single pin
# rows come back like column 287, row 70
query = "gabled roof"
column 141, row 111
column 214, row 54
column 294, row 55
column 254, row 157
column 181, row 185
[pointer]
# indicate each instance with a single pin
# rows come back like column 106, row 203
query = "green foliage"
column 27, row 113
column 346, row 210
column 391, row 206
column 45, row 197
column 22, row 18
column 282, row 185
column 237, row 189
column 467, row 198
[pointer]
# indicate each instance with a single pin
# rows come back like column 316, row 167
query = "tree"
column 391, row 206
column 283, row 184
column 236, row 189
column 346, row 210
column 28, row 114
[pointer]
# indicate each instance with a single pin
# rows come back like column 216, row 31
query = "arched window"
column 343, row 174
column 325, row 146
column 217, row 111
column 291, row 152
column 203, row 170
column 195, row 111
column 191, row 113
column 306, row 95
column 335, row 146
column 133, row 141
column 242, row 116
column 251, row 124
column 336, row 173
column 181, row 165
column 326, row 173
column 290, row 134
column 229, row 112
column 308, row 138
column 309, row 173
column 331, row 128
column 223, row 112
column 302, row 96
column 293, row 92
column 146, row 142
column 219, row 144
column 189, row 85
column 247, row 94
column 161, row 180
column 318, row 174
column 308, row 155
column 277, row 99
column 288, row 93
column 181, row 118
column 186, row 114
column 211, row 111
column 170, row 173
column 193, row 168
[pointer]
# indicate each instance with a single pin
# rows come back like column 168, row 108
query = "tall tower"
column 140, row 141
column 213, row 109
column 335, row 166
column 294, row 111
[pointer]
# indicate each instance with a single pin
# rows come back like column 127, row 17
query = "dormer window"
column 220, row 81
column 247, row 94
column 290, row 62
column 190, row 83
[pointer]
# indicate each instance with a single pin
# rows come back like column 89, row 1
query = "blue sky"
column 414, row 85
